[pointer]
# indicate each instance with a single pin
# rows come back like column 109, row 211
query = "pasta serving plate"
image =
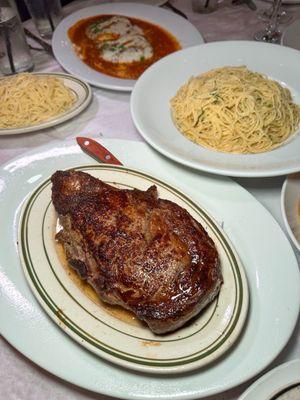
column 109, row 331
column 83, row 97
column 150, row 105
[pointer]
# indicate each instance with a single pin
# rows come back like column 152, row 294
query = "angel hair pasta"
column 27, row 99
column 234, row 110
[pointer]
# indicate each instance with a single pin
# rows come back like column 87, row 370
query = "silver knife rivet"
column 107, row 157
column 86, row 142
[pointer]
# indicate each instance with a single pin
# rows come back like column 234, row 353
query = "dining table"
column 108, row 117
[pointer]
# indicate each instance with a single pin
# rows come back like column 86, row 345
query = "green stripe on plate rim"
column 78, row 332
column 46, row 293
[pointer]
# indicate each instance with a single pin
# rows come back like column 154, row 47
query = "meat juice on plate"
column 113, row 310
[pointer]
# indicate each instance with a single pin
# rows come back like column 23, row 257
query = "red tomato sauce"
column 162, row 42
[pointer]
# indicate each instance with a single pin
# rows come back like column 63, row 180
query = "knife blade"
column 46, row 46
column 174, row 9
column 97, row 151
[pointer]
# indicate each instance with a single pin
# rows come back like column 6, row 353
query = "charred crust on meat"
column 144, row 253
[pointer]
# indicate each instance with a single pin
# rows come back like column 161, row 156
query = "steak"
column 139, row 251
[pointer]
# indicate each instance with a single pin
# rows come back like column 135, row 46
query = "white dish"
column 291, row 34
column 274, row 307
column 276, row 383
column 183, row 30
column 83, row 98
column 100, row 328
column 151, row 112
column 290, row 207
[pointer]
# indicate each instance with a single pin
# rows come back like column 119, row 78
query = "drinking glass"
column 283, row 15
column 271, row 33
column 46, row 15
column 204, row 6
column 15, row 55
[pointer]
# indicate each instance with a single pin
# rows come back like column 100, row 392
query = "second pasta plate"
column 151, row 111
column 82, row 95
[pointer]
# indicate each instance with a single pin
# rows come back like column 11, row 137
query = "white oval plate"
column 290, row 207
column 151, row 96
column 95, row 326
column 277, row 382
column 274, row 307
column 183, row 30
column 291, row 34
column 83, row 95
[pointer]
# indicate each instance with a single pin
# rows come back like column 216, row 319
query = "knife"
column 46, row 46
column 174, row 9
column 97, row 151
column 249, row 3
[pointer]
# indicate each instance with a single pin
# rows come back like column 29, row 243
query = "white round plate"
column 281, row 383
column 98, row 327
column 291, row 34
column 290, row 207
column 150, row 105
column 274, row 307
column 183, row 30
column 83, row 95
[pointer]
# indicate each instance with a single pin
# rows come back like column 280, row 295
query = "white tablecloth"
column 109, row 117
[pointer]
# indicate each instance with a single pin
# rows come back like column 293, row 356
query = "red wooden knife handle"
column 97, row 151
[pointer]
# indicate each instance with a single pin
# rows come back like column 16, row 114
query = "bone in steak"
column 138, row 251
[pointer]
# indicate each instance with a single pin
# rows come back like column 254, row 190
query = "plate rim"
column 290, row 27
column 266, row 379
column 284, row 214
column 118, row 84
column 66, row 116
column 233, row 328
column 230, row 172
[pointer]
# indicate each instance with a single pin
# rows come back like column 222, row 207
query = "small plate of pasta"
column 229, row 108
column 33, row 101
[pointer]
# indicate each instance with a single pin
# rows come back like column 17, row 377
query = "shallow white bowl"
column 150, row 105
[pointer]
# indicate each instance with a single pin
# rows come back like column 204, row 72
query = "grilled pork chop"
column 138, row 251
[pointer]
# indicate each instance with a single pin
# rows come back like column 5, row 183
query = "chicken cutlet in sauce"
column 120, row 46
